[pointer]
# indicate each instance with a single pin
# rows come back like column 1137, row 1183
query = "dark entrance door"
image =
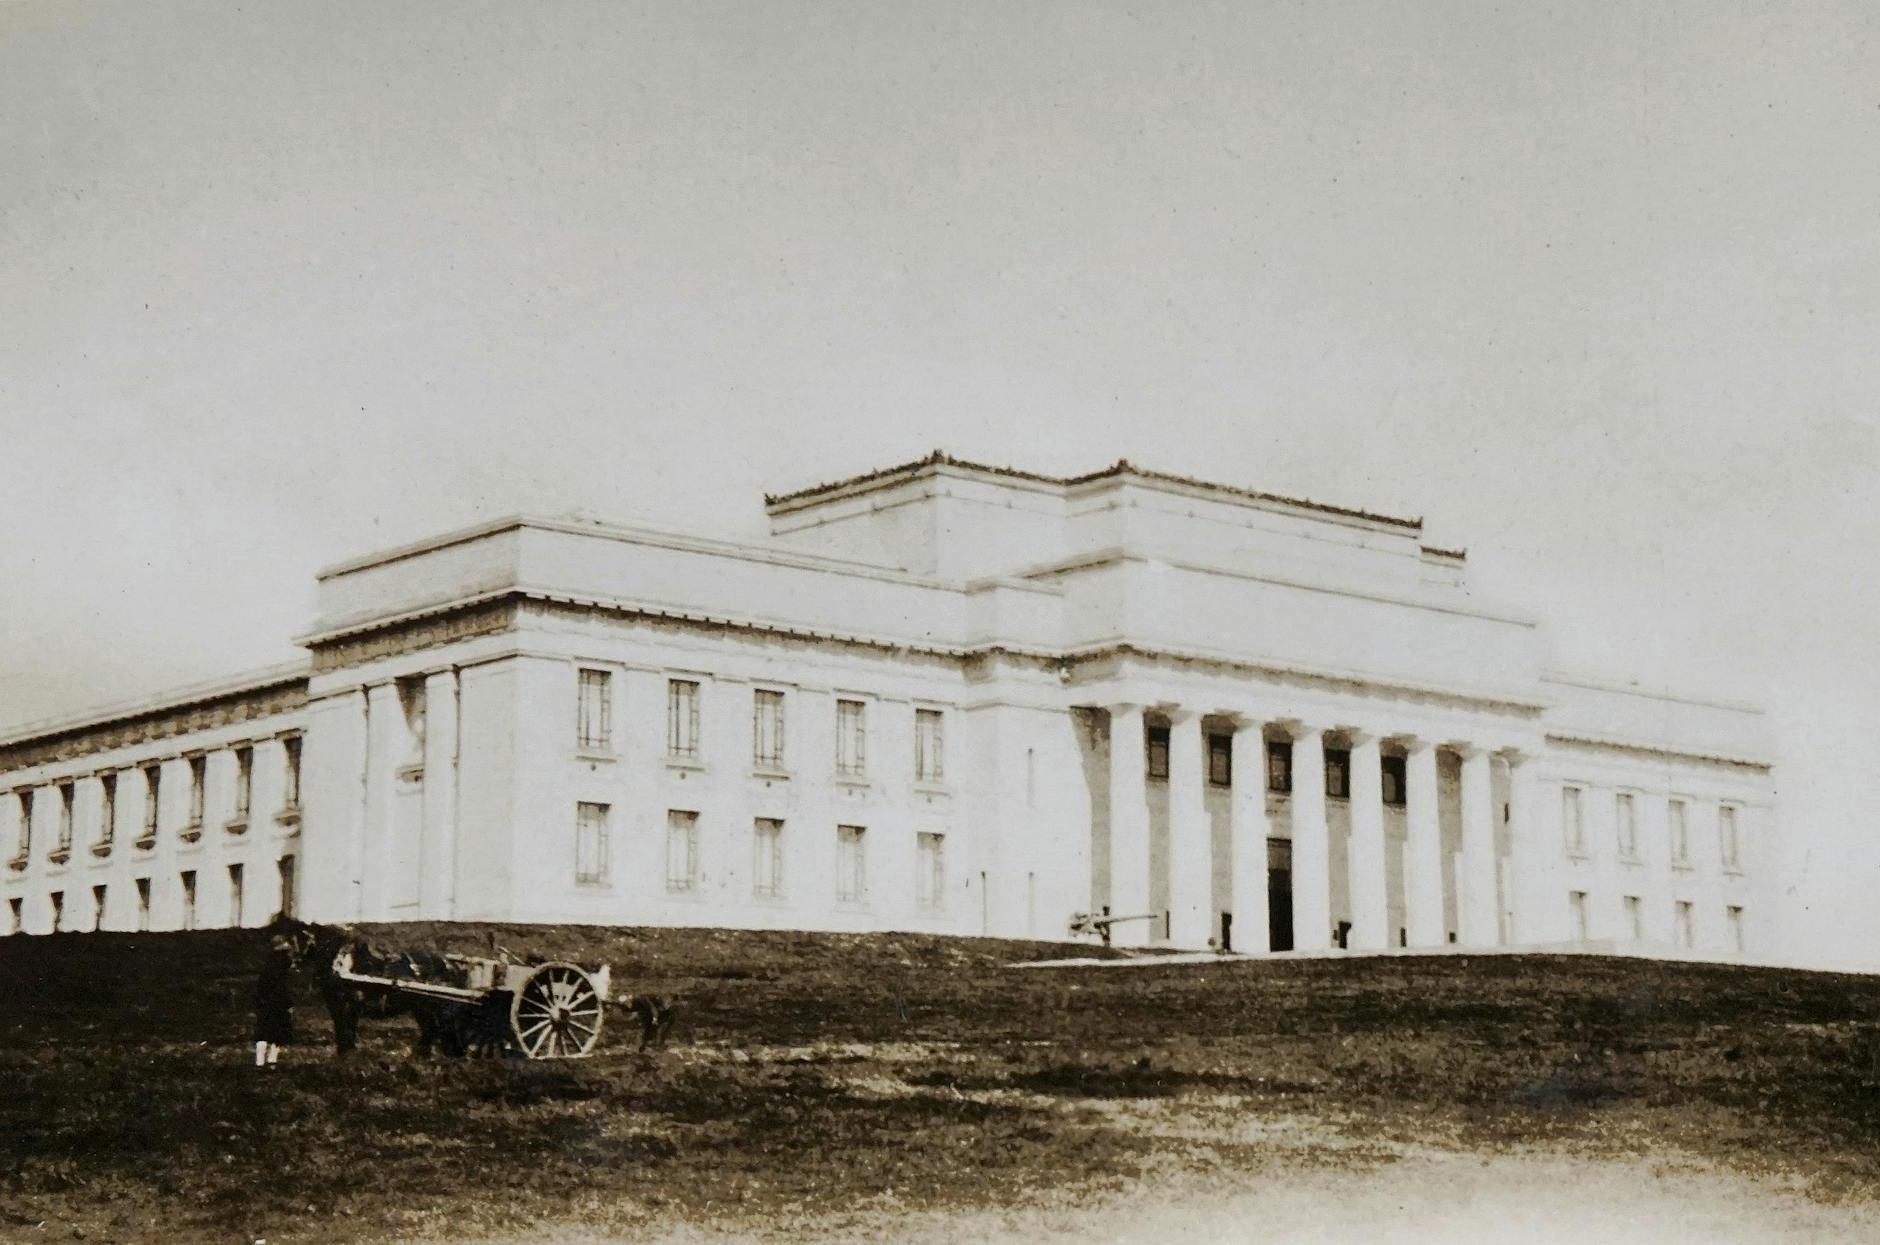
column 1279, row 893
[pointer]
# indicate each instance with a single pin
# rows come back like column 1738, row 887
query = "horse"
column 323, row 951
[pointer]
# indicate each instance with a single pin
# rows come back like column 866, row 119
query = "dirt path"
column 1450, row 1199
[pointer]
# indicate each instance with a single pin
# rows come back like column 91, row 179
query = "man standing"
column 274, row 1001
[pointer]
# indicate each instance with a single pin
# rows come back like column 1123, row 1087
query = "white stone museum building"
column 941, row 697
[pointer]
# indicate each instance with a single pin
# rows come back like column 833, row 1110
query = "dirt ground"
column 911, row 1088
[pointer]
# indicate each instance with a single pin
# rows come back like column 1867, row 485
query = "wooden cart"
column 540, row 1011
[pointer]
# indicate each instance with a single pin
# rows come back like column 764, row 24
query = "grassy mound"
column 819, row 1076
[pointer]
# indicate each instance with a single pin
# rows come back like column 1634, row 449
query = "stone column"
column 1190, row 850
column 1311, row 842
column 438, row 886
column 1539, row 903
column 1370, row 903
column 1247, row 837
column 1129, row 825
column 1423, row 848
column 1477, row 913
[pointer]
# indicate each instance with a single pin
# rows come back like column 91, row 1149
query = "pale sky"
column 1594, row 288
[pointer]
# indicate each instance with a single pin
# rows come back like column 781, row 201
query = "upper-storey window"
column 1730, row 843
column 1156, row 739
column 290, row 781
column 594, row 711
column 153, row 792
column 1338, row 773
column 107, row 808
column 68, row 794
column 851, row 739
column 682, row 719
column 929, row 745
column 767, row 729
column 26, row 824
column 244, row 782
column 1572, row 821
column 1680, row 831
column 1391, row 773
column 198, row 779
column 1279, row 766
column 1626, row 810
column 1221, row 760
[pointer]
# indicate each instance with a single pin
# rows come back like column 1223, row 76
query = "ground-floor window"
column 15, row 917
column 767, row 858
column 930, row 873
column 143, row 905
column 1576, row 908
column 286, row 867
column 590, row 844
column 98, row 896
column 681, row 851
column 189, row 899
column 1682, row 915
column 235, row 896
column 1733, row 917
column 1635, row 918
column 851, row 865
column 58, row 911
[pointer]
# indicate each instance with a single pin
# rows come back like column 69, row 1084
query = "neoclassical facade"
column 940, row 696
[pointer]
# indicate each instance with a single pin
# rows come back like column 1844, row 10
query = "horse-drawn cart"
column 540, row 1011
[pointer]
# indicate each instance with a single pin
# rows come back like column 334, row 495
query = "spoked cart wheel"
column 557, row 1013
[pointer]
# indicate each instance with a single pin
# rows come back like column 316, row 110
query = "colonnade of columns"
column 1189, row 866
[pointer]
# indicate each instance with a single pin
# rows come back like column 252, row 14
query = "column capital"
column 1301, row 728
column 1358, row 736
column 1244, row 718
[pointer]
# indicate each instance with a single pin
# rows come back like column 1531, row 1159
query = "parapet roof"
column 1120, row 469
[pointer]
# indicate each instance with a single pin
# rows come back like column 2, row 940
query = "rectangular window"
column 153, row 791
column 681, row 852
column 26, row 824
column 1338, row 773
column 682, row 719
column 290, row 776
column 58, row 911
column 1221, row 760
column 1627, row 818
column 236, row 896
column 286, row 868
column 107, row 809
column 244, row 782
column 189, row 899
column 99, row 896
column 851, row 866
column 930, row 871
column 1730, row 846
column 1572, row 821
column 851, row 739
column 594, row 711
column 16, row 909
column 929, row 746
column 1279, row 766
column 1156, row 740
column 198, row 779
column 1733, row 918
column 767, row 730
column 1391, row 772
column 143, row 905
column 68, row 794
column 1635, row 917
column 1682, row 915
column 1576, row 908
column 1680, row 832
column 590, row 844
column 767, row 858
